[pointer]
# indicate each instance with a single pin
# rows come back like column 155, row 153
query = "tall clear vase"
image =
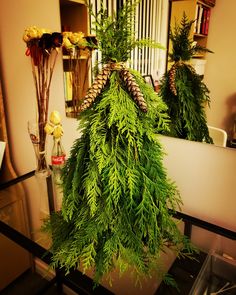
column 38, row 139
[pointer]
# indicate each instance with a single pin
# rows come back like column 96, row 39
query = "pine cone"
column 134, row 89
column 172, row 74
column 96, row 88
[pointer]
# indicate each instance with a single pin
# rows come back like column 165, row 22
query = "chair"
column 218, row 135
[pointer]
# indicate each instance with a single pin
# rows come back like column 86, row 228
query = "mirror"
column 222, row 91
column 182, row 88
column 219, row 68
column 145, row 60
column 76, row 55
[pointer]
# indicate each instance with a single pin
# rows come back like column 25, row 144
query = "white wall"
column 206, row 178
column 205, row 174
column 220, row 74
column 17, row 77
column 18, row 86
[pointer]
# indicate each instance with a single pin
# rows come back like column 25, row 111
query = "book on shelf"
column 196, row 19
column 199, row 22
column 211, row 3
column 203, row 22
column 202, row 18
column 207, row 21
column 68, row 85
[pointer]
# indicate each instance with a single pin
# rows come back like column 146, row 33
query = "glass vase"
column 38, row 139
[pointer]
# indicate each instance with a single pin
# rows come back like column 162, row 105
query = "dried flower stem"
column 78, row 81
column 42, row 68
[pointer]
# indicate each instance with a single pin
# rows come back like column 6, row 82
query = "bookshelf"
column 74, row 18
column 199, row 10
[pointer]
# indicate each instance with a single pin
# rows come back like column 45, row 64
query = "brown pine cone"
column 172, row 75
column 134, row 89
column 96, row 88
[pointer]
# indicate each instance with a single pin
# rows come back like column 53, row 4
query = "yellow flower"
column 194, row 43
column 58, row 131
column 30, row 33
column 66, row 43
column 66, row 34
column 43, row 31
column 33, row 33
column 77, row 38
column 55, row 117
column 49, row 128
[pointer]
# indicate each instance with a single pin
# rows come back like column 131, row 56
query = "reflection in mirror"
column 219, row 136
column 199, row 63
column 221, row 113
column 76, row 53
column 182, row 89
column 233, row 140
column 148, row 61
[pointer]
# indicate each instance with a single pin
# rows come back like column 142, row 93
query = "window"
column 151, row 22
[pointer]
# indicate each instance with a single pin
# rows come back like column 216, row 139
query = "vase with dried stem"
column 78, row 49
column 42, row 48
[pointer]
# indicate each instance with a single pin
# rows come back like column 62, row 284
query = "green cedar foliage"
column 116, row 190
column 186, row 106
column 186, row 109
column 116, row 35
column 183, row 47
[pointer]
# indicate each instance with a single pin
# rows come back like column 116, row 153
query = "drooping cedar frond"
column 183, row 47
column 183, row 90
column 116, row 192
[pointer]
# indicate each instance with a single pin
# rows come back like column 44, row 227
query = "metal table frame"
column 75, row 280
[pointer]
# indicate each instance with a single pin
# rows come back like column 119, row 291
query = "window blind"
column 150, row 22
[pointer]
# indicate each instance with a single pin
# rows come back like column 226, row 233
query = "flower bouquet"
column 42, row 48
column 78, row 48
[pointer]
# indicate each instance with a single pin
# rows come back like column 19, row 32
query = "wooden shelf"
column 74, row 17
column 65, row 2
column 199, row 35
column 198, row 56
column 204, row 3
column 67, row 57
column 194, row 10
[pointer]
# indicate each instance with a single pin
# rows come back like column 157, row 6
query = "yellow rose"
column 26, row 38
column 30, row 33
column 66, row 34
column 34, row 33
column 43, row 31
column 66, row 43
column 76, row 38
column 58, row 131
column 55, row 118
column 49, row 128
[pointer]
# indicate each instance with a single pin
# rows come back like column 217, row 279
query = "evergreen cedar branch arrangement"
column 183, row 90
column 116, row 191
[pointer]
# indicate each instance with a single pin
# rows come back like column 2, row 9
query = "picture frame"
column 149, row 80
